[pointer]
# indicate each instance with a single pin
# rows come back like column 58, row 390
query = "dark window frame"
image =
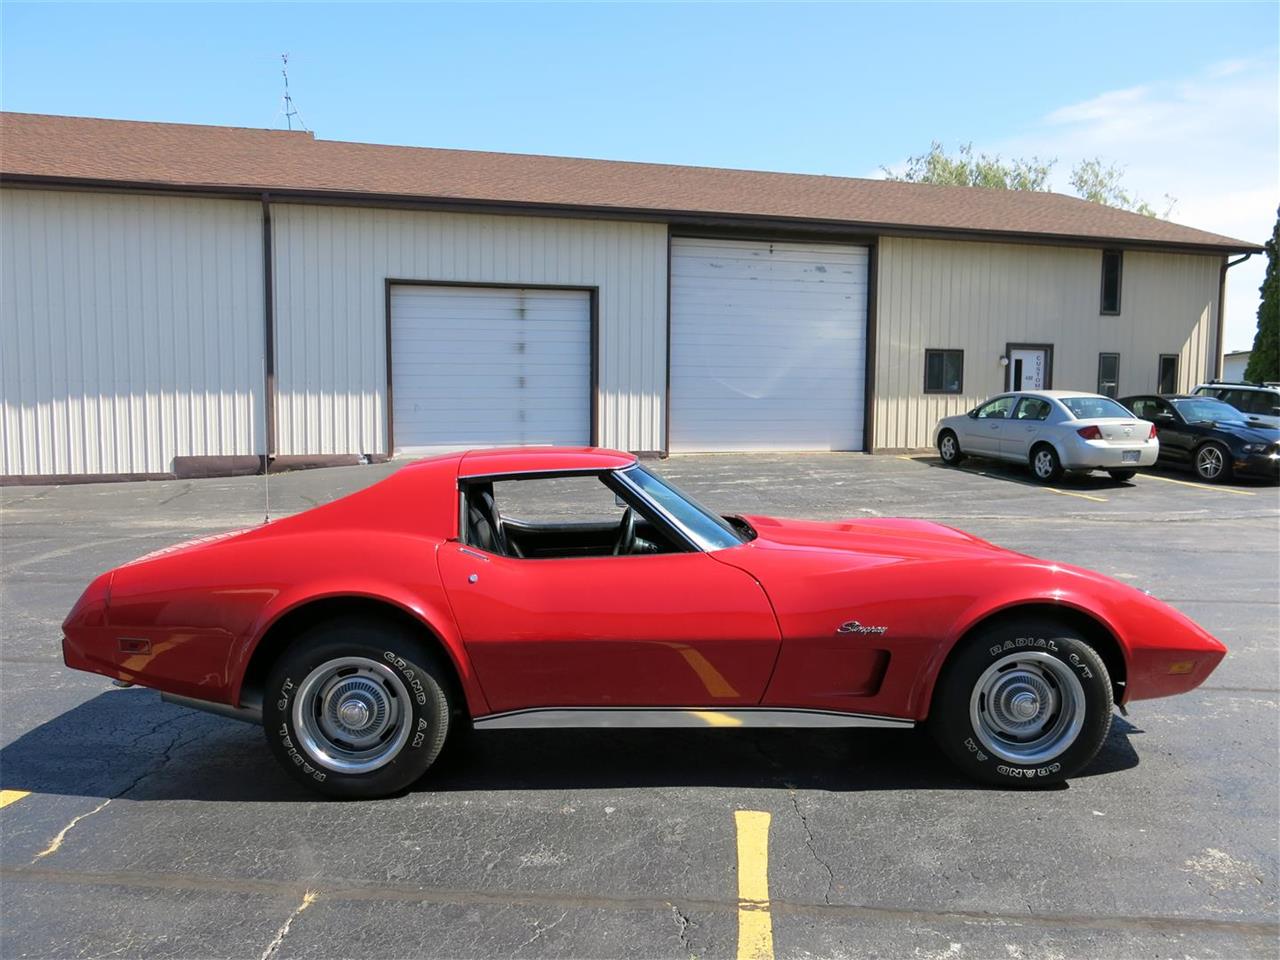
column 943, row 351
column 1101, row 357
column 1102, row 297
column 1177, row 363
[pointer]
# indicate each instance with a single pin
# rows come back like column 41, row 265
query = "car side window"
column 1032, row 408
column 997, row 409
column 1146, row 409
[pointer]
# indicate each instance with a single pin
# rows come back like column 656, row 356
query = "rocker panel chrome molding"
column 250, row 710
column 661, row 717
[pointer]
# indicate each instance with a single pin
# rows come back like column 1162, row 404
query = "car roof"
column 499, row 460
column 1055, row 394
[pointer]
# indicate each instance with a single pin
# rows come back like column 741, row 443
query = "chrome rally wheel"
column 1022, row 702
column 358, row 709
column 1027, row 708
column 352, row 715
column 1212, row 463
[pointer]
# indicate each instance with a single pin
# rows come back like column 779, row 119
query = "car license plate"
column 1129, row 456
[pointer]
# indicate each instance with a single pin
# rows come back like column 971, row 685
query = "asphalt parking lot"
column 135, row 828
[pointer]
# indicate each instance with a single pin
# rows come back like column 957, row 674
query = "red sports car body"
column 664, row 616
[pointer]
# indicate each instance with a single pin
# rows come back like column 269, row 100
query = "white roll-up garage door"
column 768, row 345
column 487, row 366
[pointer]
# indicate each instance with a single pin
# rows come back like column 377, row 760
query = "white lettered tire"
column 1022, row 703
column 356, row 709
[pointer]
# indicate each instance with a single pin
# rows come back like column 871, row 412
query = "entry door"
column 667, row 630
column 486, row 366
column 1028, row 368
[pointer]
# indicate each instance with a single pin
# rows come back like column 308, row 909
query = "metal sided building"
column 188, row 300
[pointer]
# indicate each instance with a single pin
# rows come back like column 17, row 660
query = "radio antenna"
column 290, row 111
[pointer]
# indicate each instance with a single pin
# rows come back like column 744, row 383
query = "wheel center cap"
column 1024, row 705
column 354, row 713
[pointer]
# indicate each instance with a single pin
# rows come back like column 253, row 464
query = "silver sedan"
column 1051, row 431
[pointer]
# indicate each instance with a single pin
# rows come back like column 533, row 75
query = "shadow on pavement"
column 129, row 743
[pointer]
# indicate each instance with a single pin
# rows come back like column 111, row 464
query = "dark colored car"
column 1209, row 436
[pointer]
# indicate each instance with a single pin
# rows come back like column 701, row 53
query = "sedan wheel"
column 1213, row 463
column 949, row 448
column 357, row 709
column 1024, row 702
column 1045, row 464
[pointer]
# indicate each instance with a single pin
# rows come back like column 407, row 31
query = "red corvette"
column 545, row 587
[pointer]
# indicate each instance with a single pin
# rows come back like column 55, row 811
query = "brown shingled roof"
column 35, row 147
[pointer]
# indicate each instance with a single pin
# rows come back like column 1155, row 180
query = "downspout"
column 1222, row 311
column 269, row 338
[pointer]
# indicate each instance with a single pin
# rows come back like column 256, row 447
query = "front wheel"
column 1045, row 463
column 356, row 710
column 1024, row 703
column 1213, row 463
column 1122, row 475
column 949, row 448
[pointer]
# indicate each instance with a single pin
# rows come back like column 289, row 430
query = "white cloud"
column 1209, row 140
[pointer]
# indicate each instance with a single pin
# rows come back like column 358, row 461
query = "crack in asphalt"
column 809, row 842
column 308, row 898
column 387, row 893
column 538, row 931
column 683, row 923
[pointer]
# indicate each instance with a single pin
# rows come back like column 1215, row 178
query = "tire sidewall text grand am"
column 405, row 659
column 950, row 718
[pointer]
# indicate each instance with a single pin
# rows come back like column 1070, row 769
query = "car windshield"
column 1092, row 408
column 708, row 531
column 1204, row 410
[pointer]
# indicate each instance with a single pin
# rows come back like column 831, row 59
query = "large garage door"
column 481, row 366
column 768, row 345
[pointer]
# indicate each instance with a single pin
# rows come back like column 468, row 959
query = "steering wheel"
column 626, row 534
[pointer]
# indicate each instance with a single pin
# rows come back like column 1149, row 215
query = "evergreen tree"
column 1264, row 362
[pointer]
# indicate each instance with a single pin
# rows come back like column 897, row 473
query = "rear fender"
column 428, row 607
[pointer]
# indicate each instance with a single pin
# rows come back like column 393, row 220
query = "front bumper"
column 1258, row 465
column 1081, row 454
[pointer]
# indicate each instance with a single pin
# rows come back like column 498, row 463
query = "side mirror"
column 973, row 414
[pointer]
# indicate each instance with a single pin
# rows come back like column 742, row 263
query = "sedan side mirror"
column 973, row 414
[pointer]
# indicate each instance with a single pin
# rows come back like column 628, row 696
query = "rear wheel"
column 1022, row 703
column 949, row 448
column 356, row 710
column 1122, row 475
column 1213, row 463
column 1045, row 463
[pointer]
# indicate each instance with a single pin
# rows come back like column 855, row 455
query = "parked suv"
column 1259, row 402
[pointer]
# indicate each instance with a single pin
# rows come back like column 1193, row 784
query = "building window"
column 943, row 371
column 1112, row 261
column 1168, row 373
column 1109, row 374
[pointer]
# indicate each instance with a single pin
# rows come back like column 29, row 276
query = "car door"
column 987, row 426
column 674, row 629
column 1024, row 426
column 1177, row 437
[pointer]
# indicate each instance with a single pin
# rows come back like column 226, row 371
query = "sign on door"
column 1028, row 369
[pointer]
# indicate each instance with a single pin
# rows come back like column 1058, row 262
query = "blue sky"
column 1184, row 95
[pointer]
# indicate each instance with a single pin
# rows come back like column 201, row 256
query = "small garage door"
column 483, row 367
column 768, row 345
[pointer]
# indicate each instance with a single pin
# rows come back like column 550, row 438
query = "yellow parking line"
column 755, row 927
column 12, row 796
column 1201, row 486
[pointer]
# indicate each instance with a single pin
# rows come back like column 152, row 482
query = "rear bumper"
column 1081, row 454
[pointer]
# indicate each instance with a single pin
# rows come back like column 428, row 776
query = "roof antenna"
column 290, row 111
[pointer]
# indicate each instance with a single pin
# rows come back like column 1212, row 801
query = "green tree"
column 1090, row 179
column 1104, row 183
column 1264, row 361
column 966, row 170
